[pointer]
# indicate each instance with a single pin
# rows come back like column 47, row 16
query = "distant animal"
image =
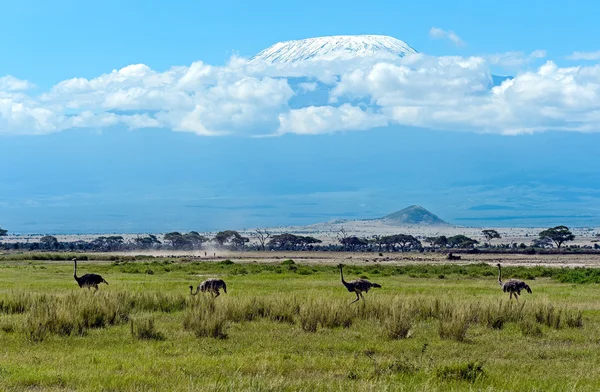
column 87, row 280
column 512, row 286
column 211, row 285
column 357, row 286
column 452, row 257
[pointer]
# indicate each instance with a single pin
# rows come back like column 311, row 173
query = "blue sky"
column 92, row 150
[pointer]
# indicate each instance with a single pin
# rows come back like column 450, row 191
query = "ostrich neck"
column 499, row 276
column 192, row 291
column 75, row 271
column 342, row 276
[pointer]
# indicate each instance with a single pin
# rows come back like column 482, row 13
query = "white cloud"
column 584, row 56
column 437, row 33
column 254, row 98
column 10, row 83
column 315, row 120
column 515, row 60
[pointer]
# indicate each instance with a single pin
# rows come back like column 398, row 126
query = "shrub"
column 204, row 320
column 454, row 327
column 146, row 330
column 529, row 328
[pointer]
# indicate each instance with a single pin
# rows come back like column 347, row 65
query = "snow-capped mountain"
column 337, row 47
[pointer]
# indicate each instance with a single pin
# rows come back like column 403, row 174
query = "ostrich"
column 212, row 285
column 512, row 286
column 357, row 286
column 88, row 280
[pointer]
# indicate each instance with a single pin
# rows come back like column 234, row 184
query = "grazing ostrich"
column 512, row 286
column 88, row 280
column 212, row 285
column 357, row 286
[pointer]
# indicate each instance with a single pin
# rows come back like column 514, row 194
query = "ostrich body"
column 87, row 280
column 357, row 286
column 211, row 285
column 512, row 286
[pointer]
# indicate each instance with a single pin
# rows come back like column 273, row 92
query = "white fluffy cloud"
column 256, row 98
column 437, row 33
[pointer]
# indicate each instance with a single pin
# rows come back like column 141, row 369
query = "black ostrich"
column 512, row 286
column 87, row 280
column 358, row 286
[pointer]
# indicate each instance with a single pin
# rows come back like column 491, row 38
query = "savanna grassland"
column 288, row 326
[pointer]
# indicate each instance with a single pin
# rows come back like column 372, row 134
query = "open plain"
column 286, row 323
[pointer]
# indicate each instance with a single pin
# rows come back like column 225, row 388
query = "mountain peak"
column 335, row 47
column 414, row 215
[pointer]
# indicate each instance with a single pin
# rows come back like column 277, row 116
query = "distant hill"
column 413, row 215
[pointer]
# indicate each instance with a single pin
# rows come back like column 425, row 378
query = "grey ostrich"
column 512, row 286
column 212, row 285
column 357, row 286
column 87, row 280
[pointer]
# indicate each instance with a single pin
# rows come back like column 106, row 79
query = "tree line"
column 554, row 237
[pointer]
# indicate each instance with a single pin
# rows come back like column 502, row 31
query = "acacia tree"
column 292, row 241
column 461, row 241
column 262, row 235
column 558, row 235
column 195, row 239
column 490, row 234
column 146, row 242
column 354, row 242
column 49, row 241
column 232, row 237
column 3, row 232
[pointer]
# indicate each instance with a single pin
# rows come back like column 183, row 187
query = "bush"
column 146, row 330
column 454, row 327
column 529, row 328
column 204, row 320
column 399, row 325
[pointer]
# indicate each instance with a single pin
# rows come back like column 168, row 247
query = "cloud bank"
column 249, row 97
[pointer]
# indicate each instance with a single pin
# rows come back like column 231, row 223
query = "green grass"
column 290, row 327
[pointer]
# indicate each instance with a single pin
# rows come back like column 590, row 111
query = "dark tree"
column 147, row 242
column 230, row 237
column 461, row 241
column 291, row 241
column 404, row 241
column 3, row 232
column 262, row 235
column 195, row 239
column 542, row 242
column 441, row 241
column 490, row 234
column 176, row 239
column 354, row 242
column 558, row 235
column 50, row 242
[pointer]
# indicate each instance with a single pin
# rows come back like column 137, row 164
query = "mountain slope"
column 413, row 215
column 337, row 47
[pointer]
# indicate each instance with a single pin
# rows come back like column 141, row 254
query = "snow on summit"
column 337, row 47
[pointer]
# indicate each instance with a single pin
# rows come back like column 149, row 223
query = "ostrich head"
column 498, row 265
column 191, row 287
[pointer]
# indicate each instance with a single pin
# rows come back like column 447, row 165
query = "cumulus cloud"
column 256, row 98
column 437, row 33
column 584, row 56
column 10, row 83
column 328, row 119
